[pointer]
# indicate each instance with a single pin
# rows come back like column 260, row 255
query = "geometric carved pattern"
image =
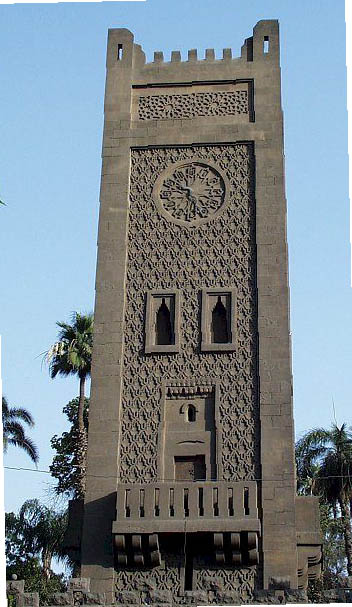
column 166, row 578
column 192, row 191
column 163, row 107
column 241, row 581
column 162, row 579
column 164, row 255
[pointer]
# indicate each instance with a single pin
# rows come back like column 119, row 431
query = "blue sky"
column 51, row 103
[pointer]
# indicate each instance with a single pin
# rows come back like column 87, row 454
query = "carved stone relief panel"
column 162, row 254
column 166, row 578
column 191, row 105
column 219, row 586
column 222, row 583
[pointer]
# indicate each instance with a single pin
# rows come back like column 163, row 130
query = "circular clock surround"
column 191, row 192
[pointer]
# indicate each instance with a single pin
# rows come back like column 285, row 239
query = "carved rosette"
column 190, row 193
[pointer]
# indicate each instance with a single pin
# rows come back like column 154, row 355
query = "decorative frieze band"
column 192, row 105
column 181, row 390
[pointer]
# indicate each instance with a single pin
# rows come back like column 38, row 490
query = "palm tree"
column 331, row 451
column 72, row 355
column 41, row 531
column 307, row 473
column 14, row 432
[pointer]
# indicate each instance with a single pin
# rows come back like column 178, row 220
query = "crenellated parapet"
column 193, row 56
column 262, row 46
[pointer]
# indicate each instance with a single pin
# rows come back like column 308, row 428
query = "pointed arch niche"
column 218, row 319
column 162, row 322
column 164, row 331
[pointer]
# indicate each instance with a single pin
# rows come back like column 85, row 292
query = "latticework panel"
column 163, row 107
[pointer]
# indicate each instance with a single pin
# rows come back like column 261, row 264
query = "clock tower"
column 190, row 477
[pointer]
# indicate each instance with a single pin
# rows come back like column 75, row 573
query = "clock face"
column 191, row 192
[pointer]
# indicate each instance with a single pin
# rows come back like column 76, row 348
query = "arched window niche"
column 162, row 322
column 219, row 323
column 191, row 413
column 218, row 331
column 164, row 335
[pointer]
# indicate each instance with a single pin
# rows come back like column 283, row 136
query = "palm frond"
column 27, row 445
column 14, row 428
column 13, row 431
column 21, row 413
column 314, row 438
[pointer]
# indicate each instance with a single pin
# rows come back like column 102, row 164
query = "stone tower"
column 191, row 481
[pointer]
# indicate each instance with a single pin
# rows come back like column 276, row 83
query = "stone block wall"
column 78, row 594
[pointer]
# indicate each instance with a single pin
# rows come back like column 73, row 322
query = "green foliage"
column 33, row 537
column 70, row 410
column 14, row 434
column 333, row 544
column 72, row 353
column 16, row 547
column 334, row 563
column 65, row 463
column 315, row 591
column 37, row 531
column 324, row 468
column 30, row 570
column 324, row 460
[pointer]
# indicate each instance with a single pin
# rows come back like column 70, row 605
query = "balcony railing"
column 201, row 506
